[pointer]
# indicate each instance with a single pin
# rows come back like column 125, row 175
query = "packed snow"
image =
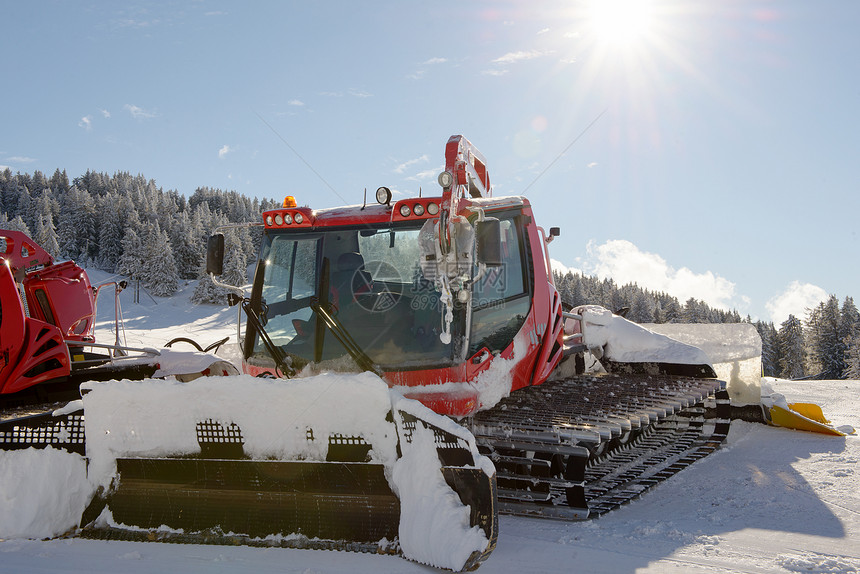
column 43, row 492
column 156, row 418
column 626, row 342
column 771, row 501
column 734, row 349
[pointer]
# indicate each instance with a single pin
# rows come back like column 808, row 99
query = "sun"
column 620, row 22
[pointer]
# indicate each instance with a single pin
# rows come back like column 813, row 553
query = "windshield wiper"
column 322, row 308
column 283, row 363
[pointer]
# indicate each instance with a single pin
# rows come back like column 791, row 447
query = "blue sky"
column 722, row 165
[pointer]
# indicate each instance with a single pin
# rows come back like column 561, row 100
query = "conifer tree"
column 849, row 334
column 46, row 235
column 790, row 341
column 825, row 351
column 159, row 268
column 131, row 262
column 852, row 358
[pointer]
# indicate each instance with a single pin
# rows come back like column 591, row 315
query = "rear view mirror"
column 215, row 254
column 488, row 234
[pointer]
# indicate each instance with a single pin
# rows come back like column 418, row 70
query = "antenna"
column 564, row 151
column 364, row 204
column 292, row 149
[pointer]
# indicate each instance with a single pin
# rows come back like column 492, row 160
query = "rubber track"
column 579, row 447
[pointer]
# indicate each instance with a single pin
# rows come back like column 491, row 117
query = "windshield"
column 376, row 288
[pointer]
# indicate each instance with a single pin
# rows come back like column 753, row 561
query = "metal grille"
column 40, row 431
column 210, row 431
column 341, row 439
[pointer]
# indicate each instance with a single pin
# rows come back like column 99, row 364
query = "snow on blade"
column 155, row 418
column 626, row 342
column 734, row 350
column 158, row 418
column 44, row 492
column 172, row 362
column 434, row 524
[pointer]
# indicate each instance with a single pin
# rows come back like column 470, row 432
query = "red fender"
column 31, row 351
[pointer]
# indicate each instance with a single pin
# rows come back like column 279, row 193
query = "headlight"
column 269, row 220
column 383, row 195
column 279, row 220
column 432, row 209
column 288, row 219
column 404, row 210
column 446, row 179
column 298, row 218
column 418, row 209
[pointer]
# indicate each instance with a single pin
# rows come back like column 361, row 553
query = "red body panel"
column 61, row 305
column 31, row 351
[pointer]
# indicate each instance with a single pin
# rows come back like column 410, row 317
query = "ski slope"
column 770, row 501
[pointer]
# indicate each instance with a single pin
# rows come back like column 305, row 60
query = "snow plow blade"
column 329, row 462
column 300, row 504
column 802, row 416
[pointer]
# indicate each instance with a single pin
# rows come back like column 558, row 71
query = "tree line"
column 126, row 224
column 824, row 345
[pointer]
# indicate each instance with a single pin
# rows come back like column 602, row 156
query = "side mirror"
column 215, row 254
column 488, row 234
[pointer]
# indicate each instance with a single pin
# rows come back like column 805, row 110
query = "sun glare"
column 620, row 22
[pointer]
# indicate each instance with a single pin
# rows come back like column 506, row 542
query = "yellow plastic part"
column 795, row 420
column 810, row 411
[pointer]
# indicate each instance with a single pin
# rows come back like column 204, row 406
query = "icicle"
column 447, row 301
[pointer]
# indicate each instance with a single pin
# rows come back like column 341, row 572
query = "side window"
column 290, row 271
column 500, row 298
column 42, row 298
column 504, row 281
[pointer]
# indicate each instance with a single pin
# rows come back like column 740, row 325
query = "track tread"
column 648, row 428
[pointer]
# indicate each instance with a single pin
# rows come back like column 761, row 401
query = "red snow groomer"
column 450, row 300
column 47, row 320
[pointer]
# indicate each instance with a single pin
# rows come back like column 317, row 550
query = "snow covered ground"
column 770, row 501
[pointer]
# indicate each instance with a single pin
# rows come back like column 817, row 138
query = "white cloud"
column 405, row 165
column 625, row 263
column 225, row 149
column 560, row 267
column 86, row 123
column 297, row 103
column 543, row 31
column 795, row 300
column 139, row 113
column 359, row 93
column 494, row 72
column 592, row 164
column 420, row 73
column 513, row 57
column 21, row 159
column 106, row 114
column 424, row 175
